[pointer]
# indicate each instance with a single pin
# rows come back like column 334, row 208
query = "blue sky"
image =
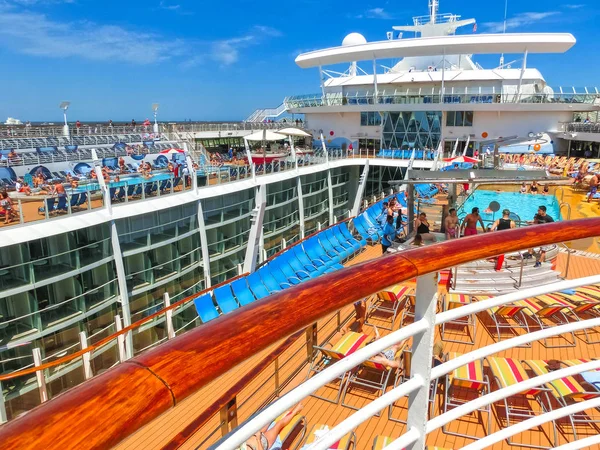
column 211, row 60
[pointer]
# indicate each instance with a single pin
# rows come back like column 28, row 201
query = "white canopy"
column 265, row 135
column 293, row 132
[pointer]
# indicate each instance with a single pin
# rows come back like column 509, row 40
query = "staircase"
column 480, row 277
column 196, row 150
column 260, row 115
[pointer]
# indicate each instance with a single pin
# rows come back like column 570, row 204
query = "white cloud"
column 520, row 20
column 166, row 6
column 377, row 13
column 36, row 34
column 574, row 6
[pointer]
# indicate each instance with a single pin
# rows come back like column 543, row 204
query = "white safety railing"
column 423, row 330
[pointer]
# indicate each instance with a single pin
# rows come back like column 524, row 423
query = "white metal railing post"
column 3, row 416
column 418, row 401
column 169, row 317
column 39, row 375
column 86, row 357
column 120, row 339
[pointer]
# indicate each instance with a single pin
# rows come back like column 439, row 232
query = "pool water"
column 524, row 205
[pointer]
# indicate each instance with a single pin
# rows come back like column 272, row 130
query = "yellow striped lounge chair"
column 348, row 344
column 295, row 430
column 381, row 442
column 463, row 385
column 345, row 443
column 565, row 391
column 548, row 315
column 508, row 372
column 591, row 291
column 511, row 318
column 574, row 311
column 389, row 302
column 453, row 301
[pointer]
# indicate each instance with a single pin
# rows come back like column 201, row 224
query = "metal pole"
column 86, row 357
column 418, row 401
column 120, row 339
column 169, row 317
column 39, row 375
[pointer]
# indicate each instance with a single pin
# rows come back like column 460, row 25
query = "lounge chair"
column 48, row 206
column 591, row 291
column 313, row 270
column 371, row 375
column 348, row 344
column 225, row 299
column 463, row 385
column 61, row 205
column 256, row 286
column 509, row 317
column 345, row 443
column 295, row 430
column 566, row 391
column 547, row 316
column 206, row 308
column 346, row 233
column 453, row 301
column 268, row 280
column 507, row 372
column 389, row 302
column 574, row 311
column 242, row 292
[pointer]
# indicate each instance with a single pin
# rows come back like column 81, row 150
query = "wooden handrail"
column 106, row 409
column 112, row 337
column 181, row 438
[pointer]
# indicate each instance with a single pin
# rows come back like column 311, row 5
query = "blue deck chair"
column 289, row 258
column 256, row 286
column 74, row 200
column 121, row 193
column 112, row 193
column 275, row 268
column 241, row 291
column 176, row 182
column 336, row 238
column 205, row 308
column 333, row 246
column 225, row 299
column 345, row 231
column 315, row 252
column 334, row 254
column 364, row 229
column 130, row 190
column 311, row 268
column 351, row 244
column 48, row 206
column 62, row 204
column 138, row 190
column 269, row 280
column 292, row 276
column 82, row 199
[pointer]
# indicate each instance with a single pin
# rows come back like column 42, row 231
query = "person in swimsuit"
column 265, row 439
column 470, row 223
column 422, row 226
column 593, row 187
column 546, row 189
column 533, row 189
column 451, row 224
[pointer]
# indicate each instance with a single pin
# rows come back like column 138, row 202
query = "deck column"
column 203, row 246
column 311, row 340
column 330, row 197
column 422, row 350
column 300, row 205
column 3, row 416
column 122, row 283
column 39, row 375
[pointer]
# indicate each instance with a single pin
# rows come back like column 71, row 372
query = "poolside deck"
column 261, row 390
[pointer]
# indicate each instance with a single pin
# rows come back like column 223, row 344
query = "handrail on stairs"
column 111, row 406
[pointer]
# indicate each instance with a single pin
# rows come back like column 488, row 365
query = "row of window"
column 370, row 119
column 453, row 119
column 459, row 119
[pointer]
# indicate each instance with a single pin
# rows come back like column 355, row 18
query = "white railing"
column 424, row 328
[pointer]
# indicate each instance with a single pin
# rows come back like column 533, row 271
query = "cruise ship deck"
column 174, row 427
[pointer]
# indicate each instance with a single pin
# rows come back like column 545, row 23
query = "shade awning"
column 293, row 132
column 265, row 135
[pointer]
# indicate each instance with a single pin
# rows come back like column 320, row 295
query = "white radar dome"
column 354, row 39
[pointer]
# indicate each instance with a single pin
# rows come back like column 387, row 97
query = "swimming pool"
column 125, row 181
column 524, row 205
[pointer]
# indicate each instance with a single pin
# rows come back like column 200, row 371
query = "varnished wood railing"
column 111, row 406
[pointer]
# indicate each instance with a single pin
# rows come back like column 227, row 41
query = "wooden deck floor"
column 293, row 369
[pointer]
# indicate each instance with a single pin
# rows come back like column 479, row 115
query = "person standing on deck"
column 470, row 223
column 389, row 233
column 451, row 224
column 505, row 223
column 539, row 219
column 593, row 187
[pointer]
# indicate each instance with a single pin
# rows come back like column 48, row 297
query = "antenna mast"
column 433, row 10
column 504, row 30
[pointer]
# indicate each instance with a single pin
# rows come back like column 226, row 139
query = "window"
column 370, row 119
column 459, row 119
